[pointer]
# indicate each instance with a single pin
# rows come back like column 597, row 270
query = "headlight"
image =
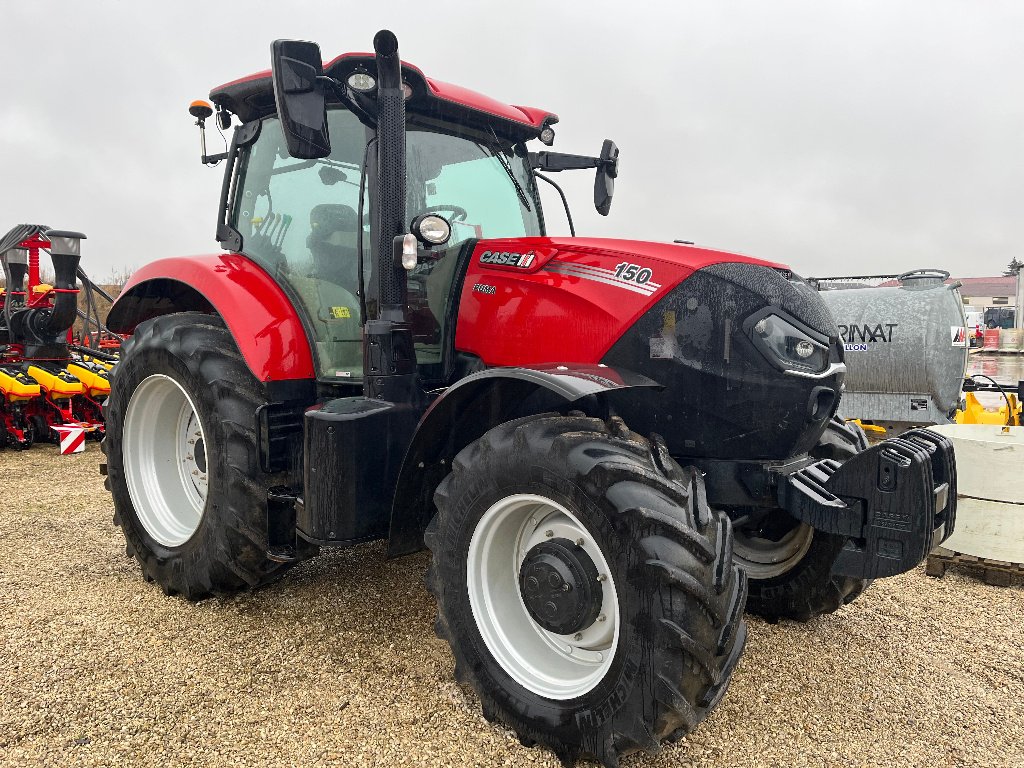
column 788, row 346
column 431, row 230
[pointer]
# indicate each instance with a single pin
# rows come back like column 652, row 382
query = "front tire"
column 788, row 562
column 595, row 666
column 182, row 461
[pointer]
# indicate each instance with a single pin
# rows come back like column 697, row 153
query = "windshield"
column 482, row 186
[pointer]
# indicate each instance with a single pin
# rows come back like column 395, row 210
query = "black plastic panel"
column 722, row 397
column 353, row 451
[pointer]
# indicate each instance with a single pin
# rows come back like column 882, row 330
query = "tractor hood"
column 569, row 299
column 747, row 353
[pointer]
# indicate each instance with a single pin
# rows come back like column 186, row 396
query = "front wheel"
column 585, row 587
column 182, row 462
column 789, row 563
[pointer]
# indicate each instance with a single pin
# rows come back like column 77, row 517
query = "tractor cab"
column 304, row 195
column 308, row 223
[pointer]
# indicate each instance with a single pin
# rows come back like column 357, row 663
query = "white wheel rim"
column 550, row 665
column 165, row 461
column 765, row 559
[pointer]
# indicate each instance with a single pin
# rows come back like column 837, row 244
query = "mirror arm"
column 555, row 162
column 214, row 159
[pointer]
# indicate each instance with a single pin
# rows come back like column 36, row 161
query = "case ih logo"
column 508, row 259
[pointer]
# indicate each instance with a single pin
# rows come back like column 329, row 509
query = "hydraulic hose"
column 1010, row 415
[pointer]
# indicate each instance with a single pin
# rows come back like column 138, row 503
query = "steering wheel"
column 458, row 212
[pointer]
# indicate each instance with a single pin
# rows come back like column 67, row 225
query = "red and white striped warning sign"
column 72, row 438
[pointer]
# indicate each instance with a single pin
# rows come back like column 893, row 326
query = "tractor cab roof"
column 252, row 98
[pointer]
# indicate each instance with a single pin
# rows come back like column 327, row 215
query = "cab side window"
column 298, row 220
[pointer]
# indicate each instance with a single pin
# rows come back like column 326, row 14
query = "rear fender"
column 262, row 320
column 474, row 405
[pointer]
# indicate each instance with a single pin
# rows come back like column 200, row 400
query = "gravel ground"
column 338, row 664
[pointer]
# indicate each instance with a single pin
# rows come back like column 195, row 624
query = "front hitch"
column 895, row 502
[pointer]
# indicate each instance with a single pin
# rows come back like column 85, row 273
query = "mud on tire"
column 227, row 552
column 680, row 600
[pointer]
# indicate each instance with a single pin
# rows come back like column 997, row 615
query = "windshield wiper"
column 498, row 155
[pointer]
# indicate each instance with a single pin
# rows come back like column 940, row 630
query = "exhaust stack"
column 390, row 175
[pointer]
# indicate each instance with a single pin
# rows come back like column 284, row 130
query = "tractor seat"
column 332, row 240
column 332, row 226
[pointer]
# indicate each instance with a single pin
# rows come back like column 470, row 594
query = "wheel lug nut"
column 549, row 533
column 579, row 542
column 602, row 577
column 602, row 617
column 578, row 636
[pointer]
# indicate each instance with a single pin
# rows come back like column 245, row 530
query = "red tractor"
column 603, row 443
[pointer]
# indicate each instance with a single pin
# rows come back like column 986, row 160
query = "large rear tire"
column 601, row 665
column 182, row 461
column 789, row 564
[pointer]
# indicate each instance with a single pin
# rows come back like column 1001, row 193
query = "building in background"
column 994, row 297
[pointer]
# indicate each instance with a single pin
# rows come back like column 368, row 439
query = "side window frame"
column 243, row 138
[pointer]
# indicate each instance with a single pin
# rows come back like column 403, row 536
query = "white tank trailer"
column 905, row 345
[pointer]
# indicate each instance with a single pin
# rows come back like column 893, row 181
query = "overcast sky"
column 838, row 137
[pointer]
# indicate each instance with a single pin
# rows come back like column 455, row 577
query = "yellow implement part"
column 976, row 413
column 101, row 363
column 95, row 378
column 16, row 386
column 869, row 427
column 58, row 385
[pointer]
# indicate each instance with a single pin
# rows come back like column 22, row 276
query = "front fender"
column 474, row 405
column 255, row 309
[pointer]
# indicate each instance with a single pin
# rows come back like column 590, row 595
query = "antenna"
column 201, row 110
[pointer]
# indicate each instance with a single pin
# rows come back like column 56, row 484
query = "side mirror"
column 607, row 171
column 301, row 101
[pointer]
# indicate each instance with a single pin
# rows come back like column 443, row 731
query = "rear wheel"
column 585, row 587
column 789, row 563
column 182, row 461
